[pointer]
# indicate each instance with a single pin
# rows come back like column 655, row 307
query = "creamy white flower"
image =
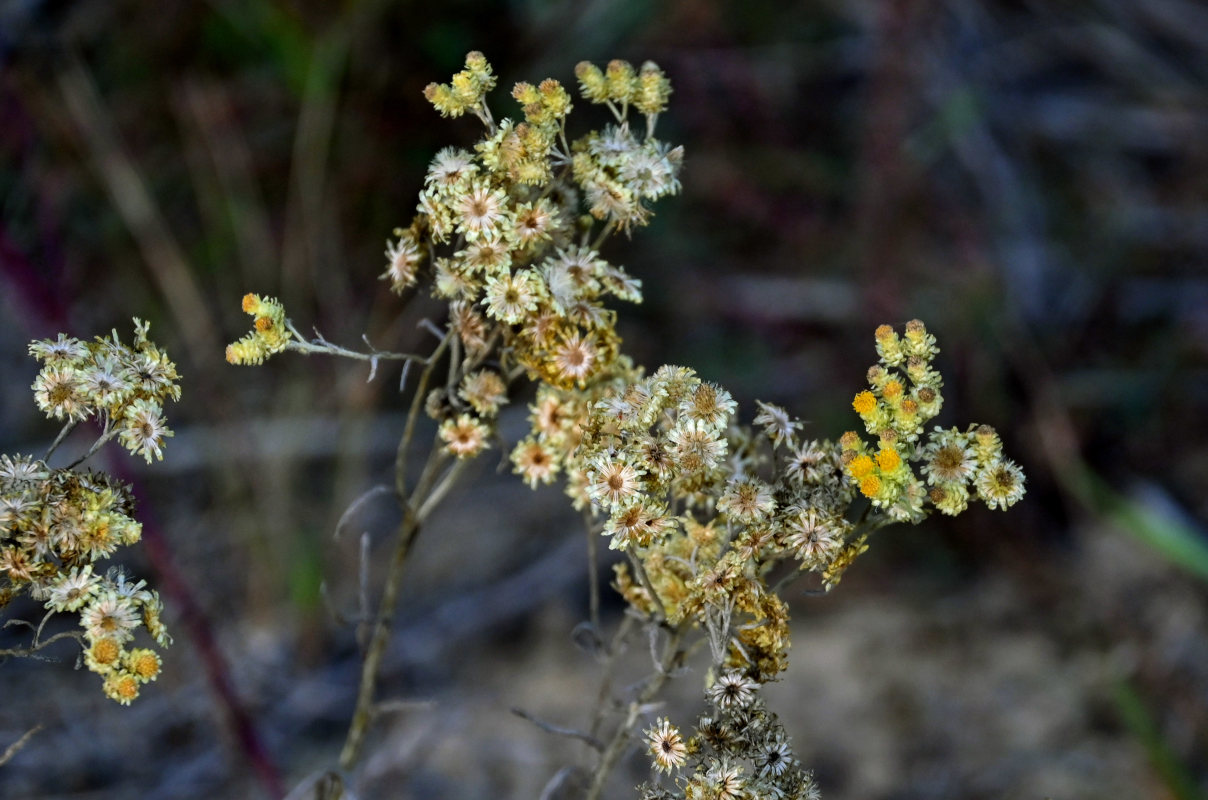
column 73, row 590
column 110, row 615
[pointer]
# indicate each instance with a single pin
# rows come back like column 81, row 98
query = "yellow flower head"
column 592, row 84
column 620, row 79
column 864, row 403
column 653, row 89
column 860, row 467
column 143, row 664
column 105, row 651
column 121, row 687
column 889, row 460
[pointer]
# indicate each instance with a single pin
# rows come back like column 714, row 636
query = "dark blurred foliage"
column 1029, row 178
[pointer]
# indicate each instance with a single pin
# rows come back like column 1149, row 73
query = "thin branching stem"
column 320, row 346
column 408, row 530
column 605, row 232
column 672, row 656
column 417, row 403
column 559, row 730
column 106, row 435
column 660, row 614
column 68, row 428
column 593, row 569
column 25, row 652
column 416, row 506
column 377, row 643
column 615, row 647
column 454, row 368
column 16, row 746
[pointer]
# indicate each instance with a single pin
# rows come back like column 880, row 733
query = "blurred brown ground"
column 1031, row 179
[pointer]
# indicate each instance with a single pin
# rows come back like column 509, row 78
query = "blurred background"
column 1029, row 178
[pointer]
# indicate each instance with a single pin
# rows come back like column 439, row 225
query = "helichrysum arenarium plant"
column 58, row 525
column 714, row 518
column 705, row 510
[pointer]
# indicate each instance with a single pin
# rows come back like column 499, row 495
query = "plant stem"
column 416, row 508
column 417, row 402
column 68, row 428
column 605, row 232
column 324, row 347
column 620, row 738
column 660, row 613
column 593, row 577
column 105, row 436
column 614, row 656
column 24, row 652
column 408, row 530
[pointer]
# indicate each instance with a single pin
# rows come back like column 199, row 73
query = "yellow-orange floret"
column 870, row 485
column 144, row 664
column 105, row 651
column 889, row 460
column 860, row 467
column 864, row 403
column 121, row 687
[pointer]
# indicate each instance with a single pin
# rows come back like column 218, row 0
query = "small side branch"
column 16, row 746
column 321, row 346
column 558, row 730
column 672, row 657
column 26, row 652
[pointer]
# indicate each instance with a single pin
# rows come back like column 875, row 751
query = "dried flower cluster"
column 122, row 387
column 714, row 518
column 739, row 750
column 707, row 509
column 58, row 524
column 502, row 234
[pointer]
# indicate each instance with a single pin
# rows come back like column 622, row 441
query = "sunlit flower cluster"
column 58, row 524
column 270, row 333
column 706, row 507
column 123, row 387
column 713, row 517
column 904, row 395
column 501, row 231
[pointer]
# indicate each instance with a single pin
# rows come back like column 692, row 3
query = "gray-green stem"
column 620, row 738
column 415, row 507
column 408, row 530
column 68, row 428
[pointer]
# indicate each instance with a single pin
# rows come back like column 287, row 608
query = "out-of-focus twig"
column 201, row 633
column 16, row 746
column 559, row 730
column 165, row 259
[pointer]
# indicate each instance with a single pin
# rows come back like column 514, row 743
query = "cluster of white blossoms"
column 739, row 749
column 508, row 232
column 123, row 387
column 58, row 524
column 904, row 395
